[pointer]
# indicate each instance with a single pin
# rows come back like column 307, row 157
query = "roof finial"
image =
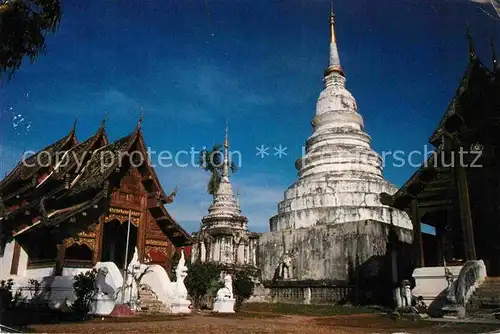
column 74, row 123
column 139, row 123
column 334, row 60
column 104, row 119
column 472, row 49
column 496, row 67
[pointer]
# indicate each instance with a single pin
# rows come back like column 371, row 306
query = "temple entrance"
column 114, row 239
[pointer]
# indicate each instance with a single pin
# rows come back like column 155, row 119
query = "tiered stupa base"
column 327, row 199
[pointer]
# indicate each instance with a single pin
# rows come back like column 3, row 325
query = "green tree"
column 23, row 27
column 200, row 279
column 243, row 287
column 83, row 286
column 212, row 162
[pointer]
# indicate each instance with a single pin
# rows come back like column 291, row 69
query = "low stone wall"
column 312, row 295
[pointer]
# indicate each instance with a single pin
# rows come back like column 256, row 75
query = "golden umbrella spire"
column 332, row 26
column 334, row 59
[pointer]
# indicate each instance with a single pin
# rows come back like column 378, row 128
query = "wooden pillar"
column 417, row 232
column 441, row 242
column 59, row 260
column 450, row 232
column 98, row 241
column 14, row 268
column 142, row 226
column 465, row 213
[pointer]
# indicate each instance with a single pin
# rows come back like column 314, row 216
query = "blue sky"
column 190, row 65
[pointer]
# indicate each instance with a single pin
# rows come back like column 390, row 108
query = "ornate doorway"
column 114, row 240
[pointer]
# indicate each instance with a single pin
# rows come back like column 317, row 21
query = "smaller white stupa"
column 224, row 236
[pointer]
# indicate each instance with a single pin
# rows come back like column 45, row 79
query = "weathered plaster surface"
column 6, row 260
column 328, row 252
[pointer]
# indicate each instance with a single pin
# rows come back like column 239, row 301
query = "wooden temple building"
column 457, row 189
column 68, row 207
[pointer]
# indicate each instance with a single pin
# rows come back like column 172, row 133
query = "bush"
column 243, row 287
column 83, row 284
column 5, row 293
column 200, row 280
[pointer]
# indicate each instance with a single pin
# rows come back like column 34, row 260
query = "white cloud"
column 481, row 1
column 116, row 98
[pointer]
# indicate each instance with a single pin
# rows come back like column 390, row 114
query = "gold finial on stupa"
column 332, row 25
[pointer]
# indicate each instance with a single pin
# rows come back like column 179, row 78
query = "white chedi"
column 224, row 302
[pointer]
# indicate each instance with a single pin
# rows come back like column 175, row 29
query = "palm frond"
column 212, row 161
column 213, row 183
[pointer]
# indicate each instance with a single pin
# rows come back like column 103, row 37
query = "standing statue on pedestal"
column 405, row 295
column 180, row 302
column 404, row 298
column 180, row 275
column 284, row 271
column 224, row 302
column 132, row 282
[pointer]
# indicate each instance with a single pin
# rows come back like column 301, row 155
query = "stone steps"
column 149, row 303
column 485, row 303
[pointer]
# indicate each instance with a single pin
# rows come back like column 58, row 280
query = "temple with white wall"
column 59, row 218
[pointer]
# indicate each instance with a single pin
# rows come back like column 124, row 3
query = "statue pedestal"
column 102, row 305
column 180, row 306
column 224, row 306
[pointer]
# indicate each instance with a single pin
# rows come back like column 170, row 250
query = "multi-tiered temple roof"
column 66, row 180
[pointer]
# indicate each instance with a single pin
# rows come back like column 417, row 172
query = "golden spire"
column 332, row 26
column 334, row 60
column 226, row 139
column 225, row 163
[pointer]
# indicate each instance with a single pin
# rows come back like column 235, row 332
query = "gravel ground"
column 253, row 322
